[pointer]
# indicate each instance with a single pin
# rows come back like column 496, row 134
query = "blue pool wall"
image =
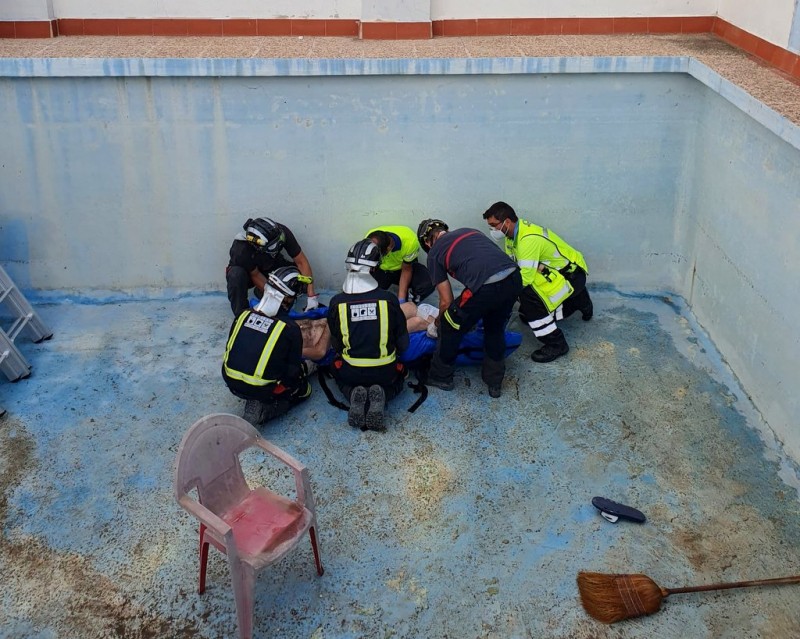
column 131, row 176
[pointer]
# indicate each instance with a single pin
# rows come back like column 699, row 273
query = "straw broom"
column 612, row 598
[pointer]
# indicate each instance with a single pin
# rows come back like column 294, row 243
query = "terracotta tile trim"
column 28, row 29
column 785, row 61
column 396, row 31
column 773, row 55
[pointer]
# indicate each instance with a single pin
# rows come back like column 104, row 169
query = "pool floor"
column 468, row 518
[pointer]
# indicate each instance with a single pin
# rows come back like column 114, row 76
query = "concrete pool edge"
column 334, row 67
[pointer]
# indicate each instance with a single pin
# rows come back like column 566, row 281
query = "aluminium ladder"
column 12, row 363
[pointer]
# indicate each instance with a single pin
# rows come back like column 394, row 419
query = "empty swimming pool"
column 470, row 518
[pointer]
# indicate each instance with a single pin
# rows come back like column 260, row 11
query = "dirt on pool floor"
column 469, row 518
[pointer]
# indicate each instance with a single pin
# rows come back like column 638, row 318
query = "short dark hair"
column 501, row 212
column 381, row 238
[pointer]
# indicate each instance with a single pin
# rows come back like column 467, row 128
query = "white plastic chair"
column 253, row 527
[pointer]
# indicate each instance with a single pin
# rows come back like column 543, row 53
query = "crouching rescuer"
column 263, row 358
column 368, row 330
column 554, row 275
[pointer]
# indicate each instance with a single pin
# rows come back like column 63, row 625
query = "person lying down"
column 317, row 335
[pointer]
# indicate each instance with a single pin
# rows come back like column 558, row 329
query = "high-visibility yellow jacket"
column 533, row 247
column 406, row 251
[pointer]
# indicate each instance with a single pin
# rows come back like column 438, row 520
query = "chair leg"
column 313, row 534
column 243, row 593
column 203, row 559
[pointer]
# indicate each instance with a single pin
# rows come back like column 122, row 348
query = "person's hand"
column 311, row 303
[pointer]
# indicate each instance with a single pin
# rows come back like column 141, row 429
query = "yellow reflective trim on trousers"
column 365, row 362
column 450, row 320
column 255, row 379
column 383, row 316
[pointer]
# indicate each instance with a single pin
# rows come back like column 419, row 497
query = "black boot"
column 273, row 410
column 587, row 310
column 358, row 400
column 252, row 411
column 554, row 347
column 492, row 373
column 440, row 374
column 584, row 305
column 377, row 402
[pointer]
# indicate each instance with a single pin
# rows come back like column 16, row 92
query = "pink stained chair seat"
column 262, row 520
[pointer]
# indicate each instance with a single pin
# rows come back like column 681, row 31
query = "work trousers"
column 493, row 304
column 390, row 377
column 291, row 395
column 239, row 285
column 542, row 322
column 420, row 287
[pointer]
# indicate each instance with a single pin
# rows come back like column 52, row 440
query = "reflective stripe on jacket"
column 533, row 244
column 363, row 312
column 250, row 331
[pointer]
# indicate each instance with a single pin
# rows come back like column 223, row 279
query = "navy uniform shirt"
column 359, row 335
column 473, row 260
column 244, row 352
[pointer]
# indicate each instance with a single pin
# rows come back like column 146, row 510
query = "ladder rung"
column 5, row 293
column 20, row 323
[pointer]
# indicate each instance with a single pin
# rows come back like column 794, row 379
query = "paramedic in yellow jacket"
column 553, row 273
column 399, row 248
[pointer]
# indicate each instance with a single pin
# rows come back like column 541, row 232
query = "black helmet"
column 265, row 235
column 363, row 253
column 426, row 229
column 286, row 280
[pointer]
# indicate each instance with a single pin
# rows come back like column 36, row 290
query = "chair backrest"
column 208, row 459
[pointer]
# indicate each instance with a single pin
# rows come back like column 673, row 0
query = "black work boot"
column 358, row 400
column 588, row 310
column 549, row 352
column 584, row 305
column 273, row 410
column 377, row 402
column 554, row 347
column 492, row 373
column 252, row 411
column 440, row 374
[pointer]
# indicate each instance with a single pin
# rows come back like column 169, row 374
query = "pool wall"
column 743, row 255
column 131, row 176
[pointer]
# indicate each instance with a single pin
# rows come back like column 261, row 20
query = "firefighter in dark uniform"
column 368, row 330
column 254, row 253
column 491, row 282
column 263, row 358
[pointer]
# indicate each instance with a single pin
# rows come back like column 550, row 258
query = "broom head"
column 612, row 598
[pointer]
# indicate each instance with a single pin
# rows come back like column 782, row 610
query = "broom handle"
column 737, row 584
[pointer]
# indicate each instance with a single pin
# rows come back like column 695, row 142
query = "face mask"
column 497, row 234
